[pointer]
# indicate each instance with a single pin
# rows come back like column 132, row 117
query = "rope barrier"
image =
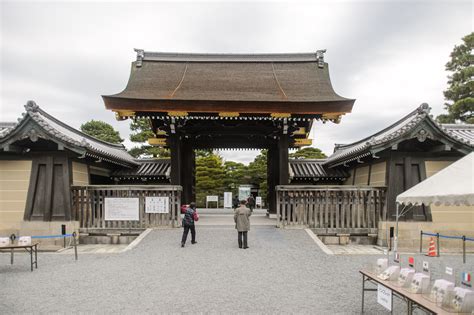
column 52, row 236
column 71, row 235
column 448, row 236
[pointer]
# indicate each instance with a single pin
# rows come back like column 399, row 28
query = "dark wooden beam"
column 176, row 159
column 284, row 174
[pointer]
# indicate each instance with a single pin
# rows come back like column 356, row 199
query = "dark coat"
column 241, row 218
column 189, row 217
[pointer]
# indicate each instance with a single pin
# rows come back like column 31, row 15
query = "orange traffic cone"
column 432, row 248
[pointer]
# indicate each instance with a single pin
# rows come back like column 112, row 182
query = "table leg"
column 31, row 258
column 410, row 307
column 363, row 293
column 36, row 256
column 11, row 256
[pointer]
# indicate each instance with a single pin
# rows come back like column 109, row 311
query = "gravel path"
column 283, row 271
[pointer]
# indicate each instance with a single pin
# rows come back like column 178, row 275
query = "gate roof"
column 278, row 83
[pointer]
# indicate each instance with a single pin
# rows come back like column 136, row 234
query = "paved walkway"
column 283, row 271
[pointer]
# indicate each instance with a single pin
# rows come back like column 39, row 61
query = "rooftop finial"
column 424, row 108
column 320, row 56
column 140, row 56
column 31, row 106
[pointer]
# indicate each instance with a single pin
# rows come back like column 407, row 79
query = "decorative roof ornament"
column 424, row 108
column 320, row 57
column 140, row 56
column 31, row 106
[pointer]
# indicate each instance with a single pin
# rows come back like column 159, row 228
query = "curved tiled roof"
column 114, row 153
column 146, row 168
column 462, row 131
column 158, row 80
column 314, row 169
column 362, row 148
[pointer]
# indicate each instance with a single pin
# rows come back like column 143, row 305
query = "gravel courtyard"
column 283, row 271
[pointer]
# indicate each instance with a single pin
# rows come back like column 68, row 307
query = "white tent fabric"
column 453, row 185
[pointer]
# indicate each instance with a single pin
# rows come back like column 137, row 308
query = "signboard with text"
column 121, row 209
column 384, row 297
column 157, row 204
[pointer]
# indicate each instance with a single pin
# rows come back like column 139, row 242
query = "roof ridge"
column 31, row 106
column 422, row 109
column 458, row 126
column 143, row 55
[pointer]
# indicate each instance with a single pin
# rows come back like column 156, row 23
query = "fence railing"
column 88, row 205
column 343, row 208
column 463, row 238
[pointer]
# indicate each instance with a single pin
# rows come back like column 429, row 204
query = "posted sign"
column 227, row 199
column 157, row 204
column 121, row 209
column 384, row 297
column 212, row 198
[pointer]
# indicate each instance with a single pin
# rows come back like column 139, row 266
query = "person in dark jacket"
column 242, row 223
column 251, row 202
column 188, row 224
column 235, row 202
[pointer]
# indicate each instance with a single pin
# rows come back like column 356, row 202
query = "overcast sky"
column 388, row 55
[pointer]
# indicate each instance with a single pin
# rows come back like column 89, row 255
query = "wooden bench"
column 33, row 248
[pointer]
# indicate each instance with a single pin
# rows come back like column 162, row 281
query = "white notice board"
column 384, row 297
column 157, row 204
column 212, row 198
column 258, row 201
column 227, row 200
column 121, row 209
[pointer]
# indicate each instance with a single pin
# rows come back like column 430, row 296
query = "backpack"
column 195, row 216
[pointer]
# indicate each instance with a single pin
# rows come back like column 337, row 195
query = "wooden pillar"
column 188, row 173
column 284, row 175
column 176, row 159
column 271, row 180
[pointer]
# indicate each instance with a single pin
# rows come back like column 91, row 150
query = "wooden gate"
column 88, row 205
column 342, row 209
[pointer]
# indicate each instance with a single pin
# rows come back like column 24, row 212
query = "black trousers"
column 186, row 231
column 242, row 237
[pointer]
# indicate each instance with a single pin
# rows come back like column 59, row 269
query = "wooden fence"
column 334, row 208
column 88, row 205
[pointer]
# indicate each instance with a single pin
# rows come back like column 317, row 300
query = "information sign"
column 212, row 198
column 121, row 209
column 258, row 201
column 384, row 297
column 157, row 204
column 244, row 192
column 227, row 199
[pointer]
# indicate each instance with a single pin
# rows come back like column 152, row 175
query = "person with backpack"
column 190, row 216
column 242, row 223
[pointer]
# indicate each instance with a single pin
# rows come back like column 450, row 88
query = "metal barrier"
column 438, row 236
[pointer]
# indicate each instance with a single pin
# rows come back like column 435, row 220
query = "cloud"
column 389, row 55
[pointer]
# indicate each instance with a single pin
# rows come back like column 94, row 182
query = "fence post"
column 421, row 241
column 437, row 243
column 464, row 249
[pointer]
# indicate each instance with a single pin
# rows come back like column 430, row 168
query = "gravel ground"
column 283, row 271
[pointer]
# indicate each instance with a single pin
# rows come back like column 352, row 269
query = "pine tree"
column 210, row 175
column 101, row 130
column 308, row 153
column 460, row 92
column 141, row 132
